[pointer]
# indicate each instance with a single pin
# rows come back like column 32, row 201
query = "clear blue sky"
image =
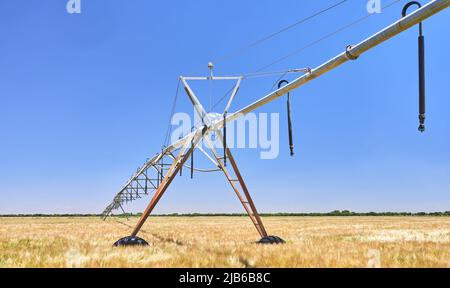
column 86, row 98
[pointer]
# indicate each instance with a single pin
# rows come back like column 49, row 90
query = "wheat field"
column 227, row 242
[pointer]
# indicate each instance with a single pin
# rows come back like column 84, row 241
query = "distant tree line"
column 332, row 213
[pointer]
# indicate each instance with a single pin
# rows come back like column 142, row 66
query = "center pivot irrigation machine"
column 158, row 173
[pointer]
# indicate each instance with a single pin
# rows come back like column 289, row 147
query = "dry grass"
column 226, row 242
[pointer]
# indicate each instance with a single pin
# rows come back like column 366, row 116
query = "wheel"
column 271, row 240
column 130, row 241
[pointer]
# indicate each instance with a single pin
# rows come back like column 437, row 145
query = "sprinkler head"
column 421, row 128
column 421, row 123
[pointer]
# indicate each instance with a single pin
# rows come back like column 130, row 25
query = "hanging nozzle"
column 421, row 43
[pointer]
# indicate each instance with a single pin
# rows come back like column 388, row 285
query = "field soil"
column 227, row 242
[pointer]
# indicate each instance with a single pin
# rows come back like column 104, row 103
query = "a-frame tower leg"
column 170, row 175
column 245, row 199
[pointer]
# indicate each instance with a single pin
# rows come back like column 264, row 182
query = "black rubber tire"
column 271, row 240
column 130, row 241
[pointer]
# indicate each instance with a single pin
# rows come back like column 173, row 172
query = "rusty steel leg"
column 170, row 175
column 265, row 239
column 259, row 224
column 247, row 201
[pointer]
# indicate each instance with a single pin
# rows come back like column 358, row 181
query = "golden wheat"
column 226, row 242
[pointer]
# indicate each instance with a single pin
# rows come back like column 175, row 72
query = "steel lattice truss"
column 145, row 181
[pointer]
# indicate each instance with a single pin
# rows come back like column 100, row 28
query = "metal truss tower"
column 155, row 176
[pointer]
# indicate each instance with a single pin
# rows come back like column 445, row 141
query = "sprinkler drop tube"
column 421, row 82
column 225, row 139
column 291, row 141
column 192, row 159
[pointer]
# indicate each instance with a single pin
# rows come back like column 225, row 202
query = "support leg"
column 265, row 239
column 173, row 171
column 170, row 175
column 246, row 199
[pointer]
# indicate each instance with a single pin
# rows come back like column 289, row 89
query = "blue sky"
column 86, row 99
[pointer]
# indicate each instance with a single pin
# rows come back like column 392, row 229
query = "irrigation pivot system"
column 157, row 173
